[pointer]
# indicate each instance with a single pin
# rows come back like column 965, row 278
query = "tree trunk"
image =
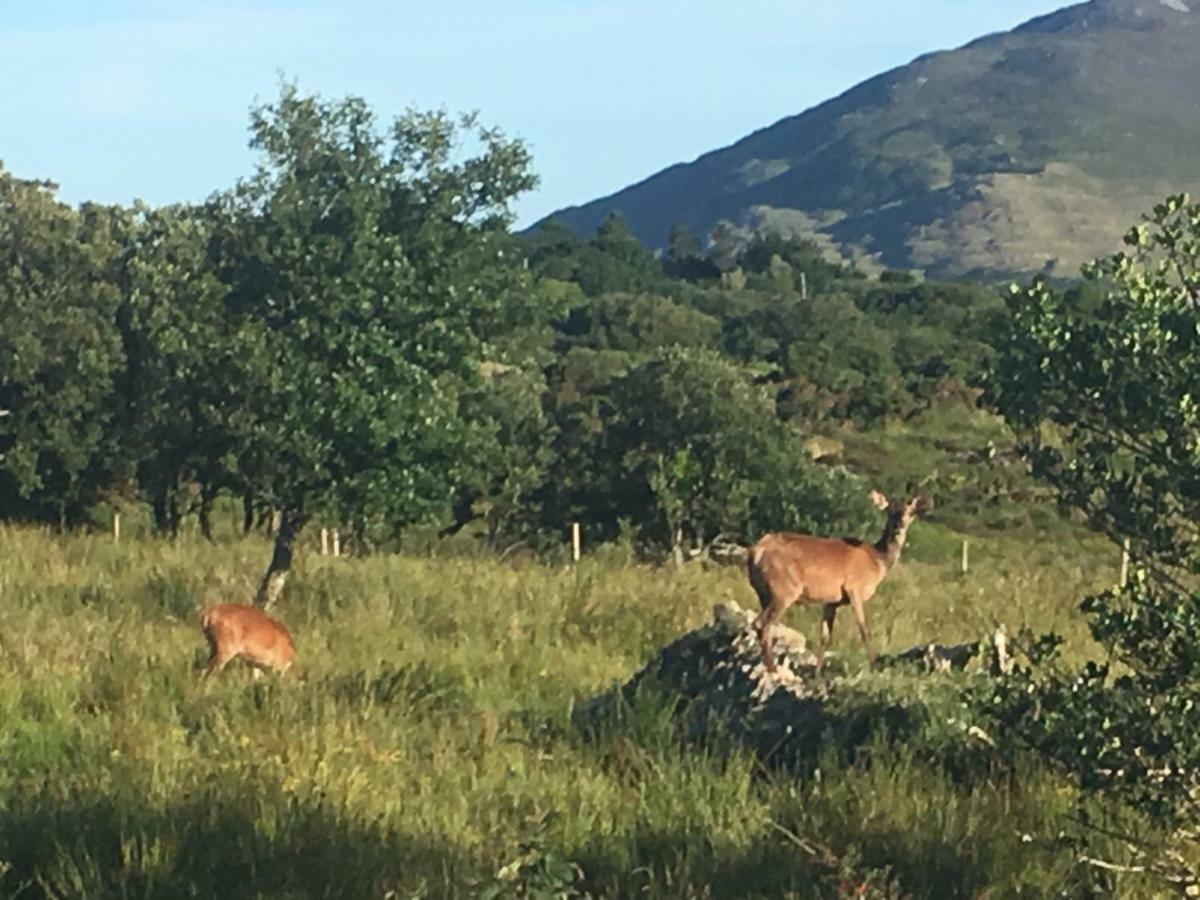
column 166, row 512
column 276, row 575
column 247, row 511
column 208, row 496
column 159, row 504
column 677, row 546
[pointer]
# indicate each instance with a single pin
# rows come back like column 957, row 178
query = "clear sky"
column 117, row 99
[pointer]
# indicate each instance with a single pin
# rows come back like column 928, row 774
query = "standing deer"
column 789, row 568
column 234, row 629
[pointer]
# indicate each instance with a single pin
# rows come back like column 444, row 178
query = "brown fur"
column 236, row 629
column 830, row 572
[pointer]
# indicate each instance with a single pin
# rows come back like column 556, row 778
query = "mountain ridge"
column 1027, row 150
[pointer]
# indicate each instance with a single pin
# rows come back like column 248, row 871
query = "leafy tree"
column 553, row 251
column 702, row 454
column 59, row 352
column 723, row 248
column 685, row 257
column 897, row 276
column 366, row 273
column 637, row 322
column 177, row 397
column 508, row 450
column 766, row 251
column 1101, row 388
column 835, row 360
column 579, row 486
column 615, row 260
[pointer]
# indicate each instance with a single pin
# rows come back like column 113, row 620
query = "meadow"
column 426, row 748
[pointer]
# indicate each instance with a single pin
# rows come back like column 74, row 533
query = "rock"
column 719, row 688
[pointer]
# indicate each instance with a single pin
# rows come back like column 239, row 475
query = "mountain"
column 1029, row 150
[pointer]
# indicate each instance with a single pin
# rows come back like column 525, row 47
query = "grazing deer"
column 235, row 629
column 790, row 568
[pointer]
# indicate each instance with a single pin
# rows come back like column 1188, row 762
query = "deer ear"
column 921, row 503
column 879, row 499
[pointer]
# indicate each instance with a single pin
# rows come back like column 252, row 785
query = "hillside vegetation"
column 352, row 338
column 426, row 748
column 1023, row 151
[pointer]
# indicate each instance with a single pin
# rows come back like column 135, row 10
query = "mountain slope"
column 1028, row 150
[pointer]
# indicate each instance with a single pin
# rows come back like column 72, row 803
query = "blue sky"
column 117, row 100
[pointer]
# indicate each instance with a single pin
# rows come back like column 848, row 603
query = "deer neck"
column 891, row 542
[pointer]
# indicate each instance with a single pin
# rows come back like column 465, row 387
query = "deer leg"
column 860, row 616
column 762, row 625
column 828, row 613
column 216, row 659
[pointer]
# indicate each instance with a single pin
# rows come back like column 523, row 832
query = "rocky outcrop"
column 716, row 683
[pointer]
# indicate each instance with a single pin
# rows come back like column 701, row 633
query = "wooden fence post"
column 1124, row 563
column 324, row 541
column 337, row 543
column 575, row 541
column 116, row 526
column 965, row 563
column 1001, row 661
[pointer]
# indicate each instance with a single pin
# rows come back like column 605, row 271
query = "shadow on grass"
column 224, row 843
column 670, row 864
column 872, row 860
column 795, row 734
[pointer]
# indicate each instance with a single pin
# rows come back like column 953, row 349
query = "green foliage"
column 60, row 354
column 366, row 271
column 698, row 451
column 177, row 409
column 723, row 248
column 613, row 260
column 685, row 258
column 507, row 448
column 842, row 367
column 352, row 333
column 536, row 872
column 1077, row 382
column 770, row 252
column 1100, row 391
column 637, row 323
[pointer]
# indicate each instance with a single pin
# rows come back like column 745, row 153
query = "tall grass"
column 425, row 750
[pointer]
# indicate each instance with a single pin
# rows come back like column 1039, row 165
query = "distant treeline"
column 354, row 332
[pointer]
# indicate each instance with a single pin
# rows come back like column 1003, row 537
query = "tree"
column 59, row 352
column 685, row 257
column 177, row 397
column 703, row 455
column 837, row 361
column 553, row 251
column 723, row 248
column 508, row 447
column 366, row 273
column 637, row 322
column 1102, row 393
column 766, row 250
column 615, row 260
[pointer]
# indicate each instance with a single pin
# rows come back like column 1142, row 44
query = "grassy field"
column 426, row 749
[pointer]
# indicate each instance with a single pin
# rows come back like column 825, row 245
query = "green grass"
column 426, row 748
